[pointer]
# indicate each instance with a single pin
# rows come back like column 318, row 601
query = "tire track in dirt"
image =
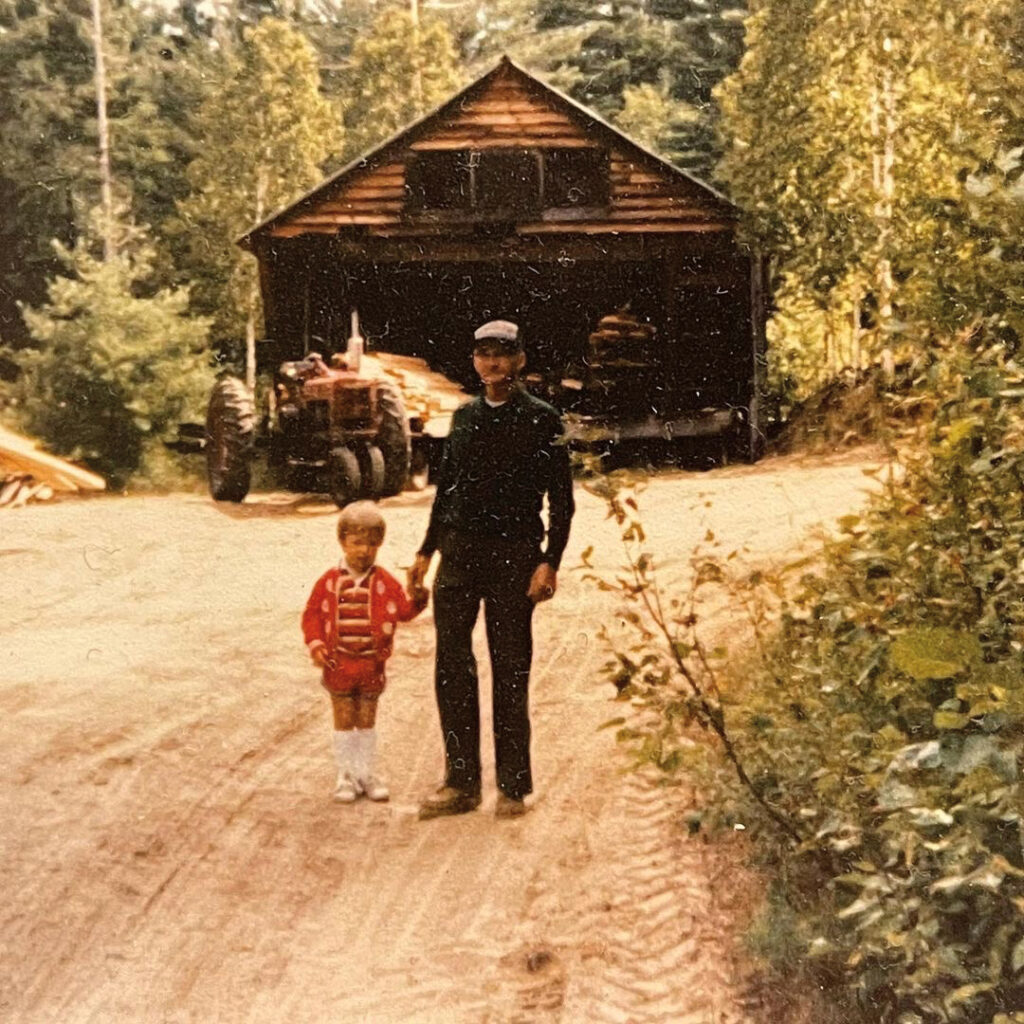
column 197, row 870
column 189, row 836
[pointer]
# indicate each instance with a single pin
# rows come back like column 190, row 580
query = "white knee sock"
column 366, row 750
column 345, row 750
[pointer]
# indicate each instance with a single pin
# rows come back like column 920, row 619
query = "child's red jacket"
column 389, row 605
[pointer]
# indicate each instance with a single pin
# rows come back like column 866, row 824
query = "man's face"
column 494, row 364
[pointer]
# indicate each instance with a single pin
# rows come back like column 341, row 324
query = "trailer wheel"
column 373, row 470
column 230, row 421
column 393, row 439
column 739, row 443
column 344, row 481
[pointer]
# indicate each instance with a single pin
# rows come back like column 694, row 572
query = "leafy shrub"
column 875, row 751
column 115, row 368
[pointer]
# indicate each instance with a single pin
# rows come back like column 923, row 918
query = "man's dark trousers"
column 495, row 571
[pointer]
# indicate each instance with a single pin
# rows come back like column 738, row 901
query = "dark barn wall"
column 698, row 305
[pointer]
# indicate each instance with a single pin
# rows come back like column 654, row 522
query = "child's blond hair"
column 362, row 517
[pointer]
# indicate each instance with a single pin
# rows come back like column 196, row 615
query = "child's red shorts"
column 360, row 677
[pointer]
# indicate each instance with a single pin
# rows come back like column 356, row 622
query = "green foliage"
column 650, row 116
column 603, row 53
column 115, row 367
column 398, row 71
column 874, row 747
column 852, row 132
column 266, row 131
column 48, row 136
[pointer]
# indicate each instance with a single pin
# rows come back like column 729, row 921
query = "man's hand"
column 418, row 573
column 543, row 583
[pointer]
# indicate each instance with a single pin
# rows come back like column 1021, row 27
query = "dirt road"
column 169, row 848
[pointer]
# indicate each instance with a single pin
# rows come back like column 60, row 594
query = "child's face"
column 360, row 549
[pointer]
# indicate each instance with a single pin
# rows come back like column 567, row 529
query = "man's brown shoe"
column 448, row 800
column 508, row 807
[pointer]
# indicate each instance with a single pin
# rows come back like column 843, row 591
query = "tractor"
column 325, row 427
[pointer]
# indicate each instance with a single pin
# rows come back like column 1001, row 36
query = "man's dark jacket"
column 498, row 464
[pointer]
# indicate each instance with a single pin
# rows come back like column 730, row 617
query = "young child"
column 349, row 626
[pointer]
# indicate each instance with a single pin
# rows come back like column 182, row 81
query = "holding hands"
column 418, row 592
column 543, row 584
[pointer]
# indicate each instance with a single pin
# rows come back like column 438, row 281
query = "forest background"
column 870, row 739
column 875, row 150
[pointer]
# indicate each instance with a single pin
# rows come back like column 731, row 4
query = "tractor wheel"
column 393, row 439
column 344, row 480
column 230, row 420
column 739, row 442
column 373, row 470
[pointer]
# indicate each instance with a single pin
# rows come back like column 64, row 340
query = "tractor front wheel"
column 230, row 422
column 344, row 480
column 374, row 471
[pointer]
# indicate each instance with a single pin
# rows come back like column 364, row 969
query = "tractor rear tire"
column 344, row 480
column 394, row 439
column 230, row 422
column 373, row 470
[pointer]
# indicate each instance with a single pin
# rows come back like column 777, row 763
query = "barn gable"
column 507, row 151
column 511, row 201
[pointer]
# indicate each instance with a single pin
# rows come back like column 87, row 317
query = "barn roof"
column 592, row 122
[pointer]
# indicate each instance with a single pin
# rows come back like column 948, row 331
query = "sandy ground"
column 169, row 848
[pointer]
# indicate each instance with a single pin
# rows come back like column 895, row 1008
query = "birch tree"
column 851, row 129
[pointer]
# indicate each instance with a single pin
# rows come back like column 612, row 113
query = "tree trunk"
column 103, row 133
column 254, row 291
column 883, row 131
column 855, row 357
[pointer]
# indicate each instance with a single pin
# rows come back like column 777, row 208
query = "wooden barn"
column 639, row 307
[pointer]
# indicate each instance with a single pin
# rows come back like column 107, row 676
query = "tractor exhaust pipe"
column 354, row 351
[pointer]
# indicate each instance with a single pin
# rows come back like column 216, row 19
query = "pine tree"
column 116, row 365
column 49, row 167
column 45, row 153
column 399, row 70
column 680, row 48
column 650, row 116
column 266, row 130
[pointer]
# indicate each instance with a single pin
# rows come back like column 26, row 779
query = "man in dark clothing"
column 502, row 456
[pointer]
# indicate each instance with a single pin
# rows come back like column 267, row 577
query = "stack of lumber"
column 427, row 394
column 620, row 341
column 29, row 474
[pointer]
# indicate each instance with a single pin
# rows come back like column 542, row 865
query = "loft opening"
column 506, row 182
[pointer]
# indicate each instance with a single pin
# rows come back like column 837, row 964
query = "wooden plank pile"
column 29, row 474
column 427, row 394
column 621, row 341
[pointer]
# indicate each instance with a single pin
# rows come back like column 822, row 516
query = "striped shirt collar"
column 357, row 580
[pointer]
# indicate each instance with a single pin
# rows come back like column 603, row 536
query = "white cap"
column 498, row 330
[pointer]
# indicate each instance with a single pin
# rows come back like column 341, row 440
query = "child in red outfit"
column 349, row 626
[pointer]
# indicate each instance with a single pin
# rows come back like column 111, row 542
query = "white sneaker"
column 347, row 789
column 374, row 788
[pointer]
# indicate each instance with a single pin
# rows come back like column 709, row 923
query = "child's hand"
column 419, row 596
column 319, row 656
